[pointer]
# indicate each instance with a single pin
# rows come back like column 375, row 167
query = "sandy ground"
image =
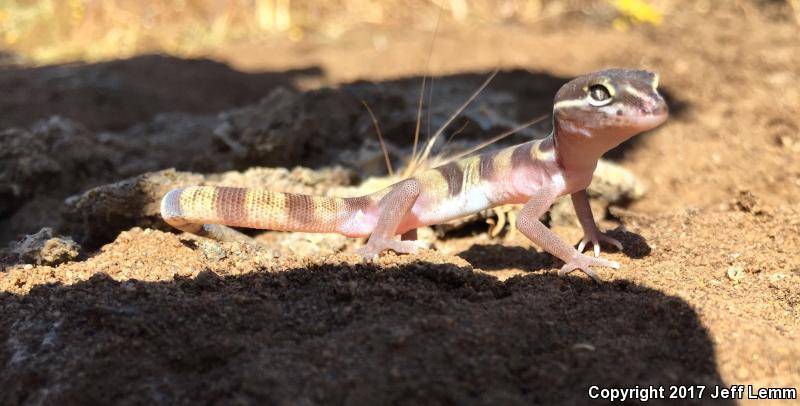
column 708, row 292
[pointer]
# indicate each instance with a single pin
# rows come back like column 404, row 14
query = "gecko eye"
column 599, row 95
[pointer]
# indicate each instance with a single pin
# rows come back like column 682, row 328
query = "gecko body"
column 591, row 114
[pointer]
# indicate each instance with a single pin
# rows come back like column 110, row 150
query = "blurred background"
column 47, row 31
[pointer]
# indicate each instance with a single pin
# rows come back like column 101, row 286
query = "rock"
column 747, row 202
column 98, row 215
column 287, row 128
column 212, row 250
column 615, row 184
column 53, row 156
column 34, row 214
column 44, row 248
column 178, row 140
column 25, row 167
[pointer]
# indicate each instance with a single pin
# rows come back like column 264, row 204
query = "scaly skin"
column 591, row 115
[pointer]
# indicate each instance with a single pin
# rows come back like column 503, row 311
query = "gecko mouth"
column 651, row 119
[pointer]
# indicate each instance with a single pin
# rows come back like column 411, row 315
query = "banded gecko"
column 591, row 115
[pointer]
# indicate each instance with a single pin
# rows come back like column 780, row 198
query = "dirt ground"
column 709, row 287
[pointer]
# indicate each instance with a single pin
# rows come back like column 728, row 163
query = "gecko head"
column 610, row 105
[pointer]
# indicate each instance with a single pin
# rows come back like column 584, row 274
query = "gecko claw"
column 596, row 239
column 367, row 257
column 367, row 253
column 583, row 263
column 375, row 246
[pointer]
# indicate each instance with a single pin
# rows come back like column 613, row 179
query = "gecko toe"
column 595, row 240
column 367, row 253
column 584, row 263
column 403, row 247
column 375, row 247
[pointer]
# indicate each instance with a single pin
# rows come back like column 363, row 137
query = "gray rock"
column 45, row 248
column 615, row 184
column 286, row 128
column 53, row 156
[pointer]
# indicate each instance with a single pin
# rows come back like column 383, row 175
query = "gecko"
column 592, row 114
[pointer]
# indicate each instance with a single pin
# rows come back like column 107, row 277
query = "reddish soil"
column 708, row 292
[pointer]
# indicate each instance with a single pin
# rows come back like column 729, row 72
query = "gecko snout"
column 653, row 111
column 654, row 106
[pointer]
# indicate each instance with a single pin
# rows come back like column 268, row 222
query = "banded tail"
column 189, row 209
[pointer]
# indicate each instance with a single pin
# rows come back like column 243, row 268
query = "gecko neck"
column 576, row 154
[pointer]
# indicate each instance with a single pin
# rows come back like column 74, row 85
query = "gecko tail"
column 192, row 208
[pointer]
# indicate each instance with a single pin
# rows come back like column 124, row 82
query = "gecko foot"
column 583, row 262
column 596, row 239
column 376, row 245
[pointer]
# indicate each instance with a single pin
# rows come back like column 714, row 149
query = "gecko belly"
column 430, row 210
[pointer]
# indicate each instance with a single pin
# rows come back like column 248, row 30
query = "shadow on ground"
column 117, row 94
column 417, row 334
column 493, row 257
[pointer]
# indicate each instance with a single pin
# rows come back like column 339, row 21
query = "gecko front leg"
column 391, row 210
column 580, row 200
column 528, row 224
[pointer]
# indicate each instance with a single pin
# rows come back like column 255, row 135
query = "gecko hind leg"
column 224, row 233
column 392, row 209
column 216, row 232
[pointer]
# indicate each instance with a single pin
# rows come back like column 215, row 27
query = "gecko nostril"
column 652, row 107
column 657, row 108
